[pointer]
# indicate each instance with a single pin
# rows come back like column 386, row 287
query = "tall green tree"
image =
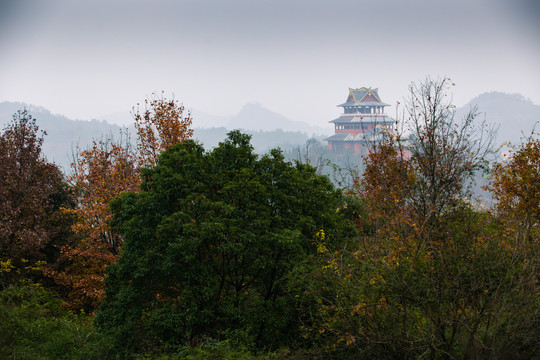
column 210, row 244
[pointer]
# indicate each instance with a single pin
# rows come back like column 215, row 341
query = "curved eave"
column 363, row 119
column 363, row 103
column 337, row 137
column 351, row 138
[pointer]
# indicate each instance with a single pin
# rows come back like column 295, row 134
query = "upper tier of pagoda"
column 363, row 97
column 363, row 101
column 362, row 122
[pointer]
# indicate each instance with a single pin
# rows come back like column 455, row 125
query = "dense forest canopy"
column 159, row 248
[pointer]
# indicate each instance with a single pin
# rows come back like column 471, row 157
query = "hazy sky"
column 85, row 59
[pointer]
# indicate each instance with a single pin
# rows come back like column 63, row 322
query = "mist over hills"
column 255, row 117
column 252, row 117
column 64, row 133
column 513, row 113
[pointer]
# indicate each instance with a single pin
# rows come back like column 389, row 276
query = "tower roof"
column 364, row 118
column 371, row 136
column 363, row 97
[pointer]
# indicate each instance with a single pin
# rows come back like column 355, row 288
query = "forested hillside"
column 154, row 246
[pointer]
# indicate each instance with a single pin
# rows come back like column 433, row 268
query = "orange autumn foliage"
column 159, row 126
column 386, row 181
column 516, row 189
column 386, row 189
column 100, row 174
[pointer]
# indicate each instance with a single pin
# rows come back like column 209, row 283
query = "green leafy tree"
column 210, row 244
column 35, row 325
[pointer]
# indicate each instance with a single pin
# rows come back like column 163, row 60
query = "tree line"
column 167, row 250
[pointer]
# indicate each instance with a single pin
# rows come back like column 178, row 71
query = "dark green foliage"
column 217, row 350
column 34, row 325
column 210, row 243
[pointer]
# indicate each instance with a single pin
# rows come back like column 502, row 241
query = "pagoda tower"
column 362, row 123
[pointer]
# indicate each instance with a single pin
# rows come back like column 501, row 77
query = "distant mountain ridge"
column 63, row 133
column 515, row 115
column 254, row 117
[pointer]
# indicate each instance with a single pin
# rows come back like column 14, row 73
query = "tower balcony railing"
column 362, row 114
